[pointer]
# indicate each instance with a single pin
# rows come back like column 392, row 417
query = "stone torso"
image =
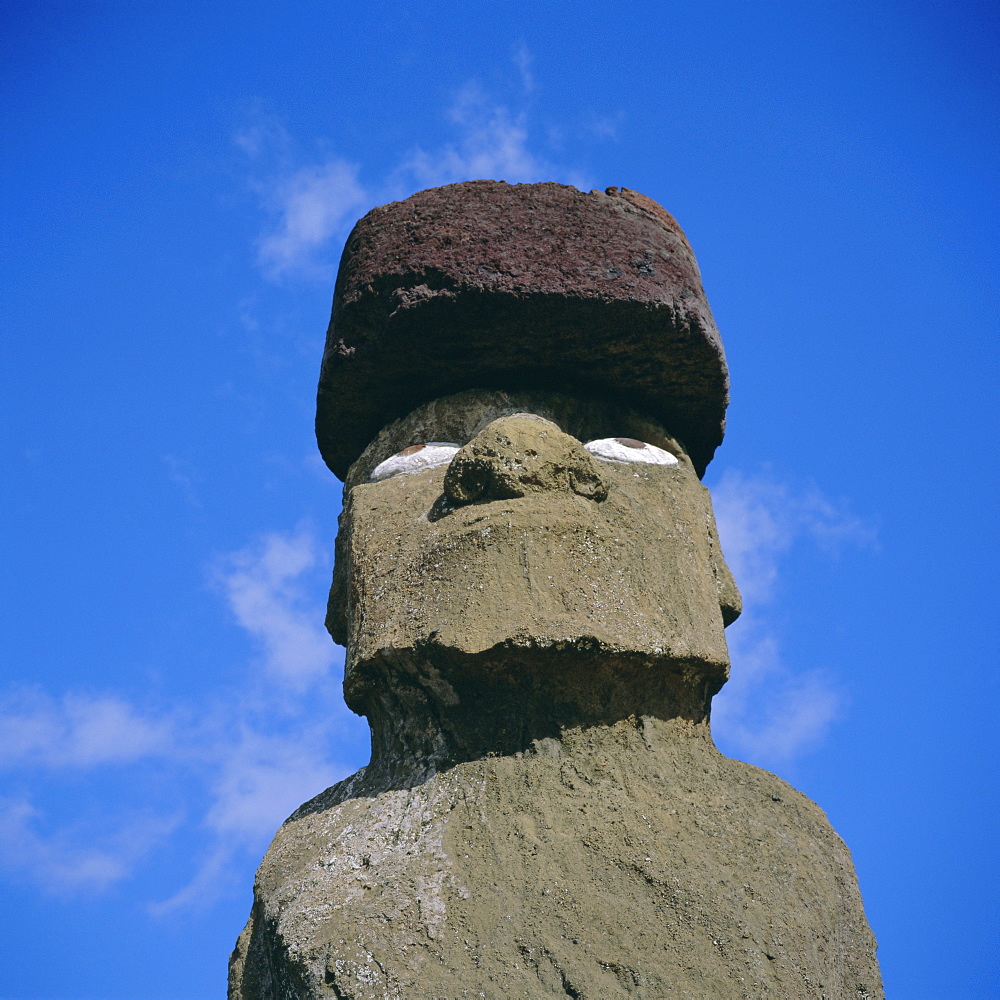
column 630, row 860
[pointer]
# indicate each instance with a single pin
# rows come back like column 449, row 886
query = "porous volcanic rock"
column 493, row 285
column 631, row 567
column 623, row 861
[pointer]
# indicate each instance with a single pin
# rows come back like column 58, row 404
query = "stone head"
column 535, row 531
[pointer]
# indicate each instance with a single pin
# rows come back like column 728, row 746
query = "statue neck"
column 429, row 709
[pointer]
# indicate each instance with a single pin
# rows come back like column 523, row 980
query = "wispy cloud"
column 260, row 586
column 263, row 135
column 492, row 142
column 523, row 61
column 255, row 781
column 76, row 731
column 69, row 860
column 767, row 711
column 760, row 518
column 182, row 474
column 243, row 758
column 606, row 126
column 312, row 202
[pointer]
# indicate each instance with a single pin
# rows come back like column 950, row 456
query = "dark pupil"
column 631, row 442
column 413, row 449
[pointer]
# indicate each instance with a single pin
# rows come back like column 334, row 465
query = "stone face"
column 561, row 549
column 499, row 286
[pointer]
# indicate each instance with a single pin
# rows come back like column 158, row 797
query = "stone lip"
column 505, row 286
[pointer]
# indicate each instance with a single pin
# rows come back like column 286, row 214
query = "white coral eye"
column 415, row 458
column 630, row 450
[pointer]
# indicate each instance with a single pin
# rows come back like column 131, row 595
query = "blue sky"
column 178, row 181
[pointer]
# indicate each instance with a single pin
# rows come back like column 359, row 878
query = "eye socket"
column 415, row 458
column 625, row 449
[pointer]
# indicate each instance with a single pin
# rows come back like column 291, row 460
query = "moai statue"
column 521, row 388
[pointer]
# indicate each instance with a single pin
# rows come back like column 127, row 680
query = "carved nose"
column 519, row 455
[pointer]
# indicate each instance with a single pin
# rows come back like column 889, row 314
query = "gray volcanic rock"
column 630, row 860
column 500, row 286
column 632, row 567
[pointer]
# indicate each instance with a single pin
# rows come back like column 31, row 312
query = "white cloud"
column 522, row 62
column 264, row 778
column 313, row 204
column 492, row 143
column 760, row 518
column 75, row 731
column 268, row 750
column 263, row 135
column 256, row 782
column 260, row 587
column 182, row 474
column 60, row 863
column 606, row 126
column 768, row 711
column 243, row 759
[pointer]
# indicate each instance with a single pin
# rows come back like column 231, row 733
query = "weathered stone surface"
column 630, row 860
column 492, row 285
column 629, row 566
column 519, row 455
column 545, row 814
